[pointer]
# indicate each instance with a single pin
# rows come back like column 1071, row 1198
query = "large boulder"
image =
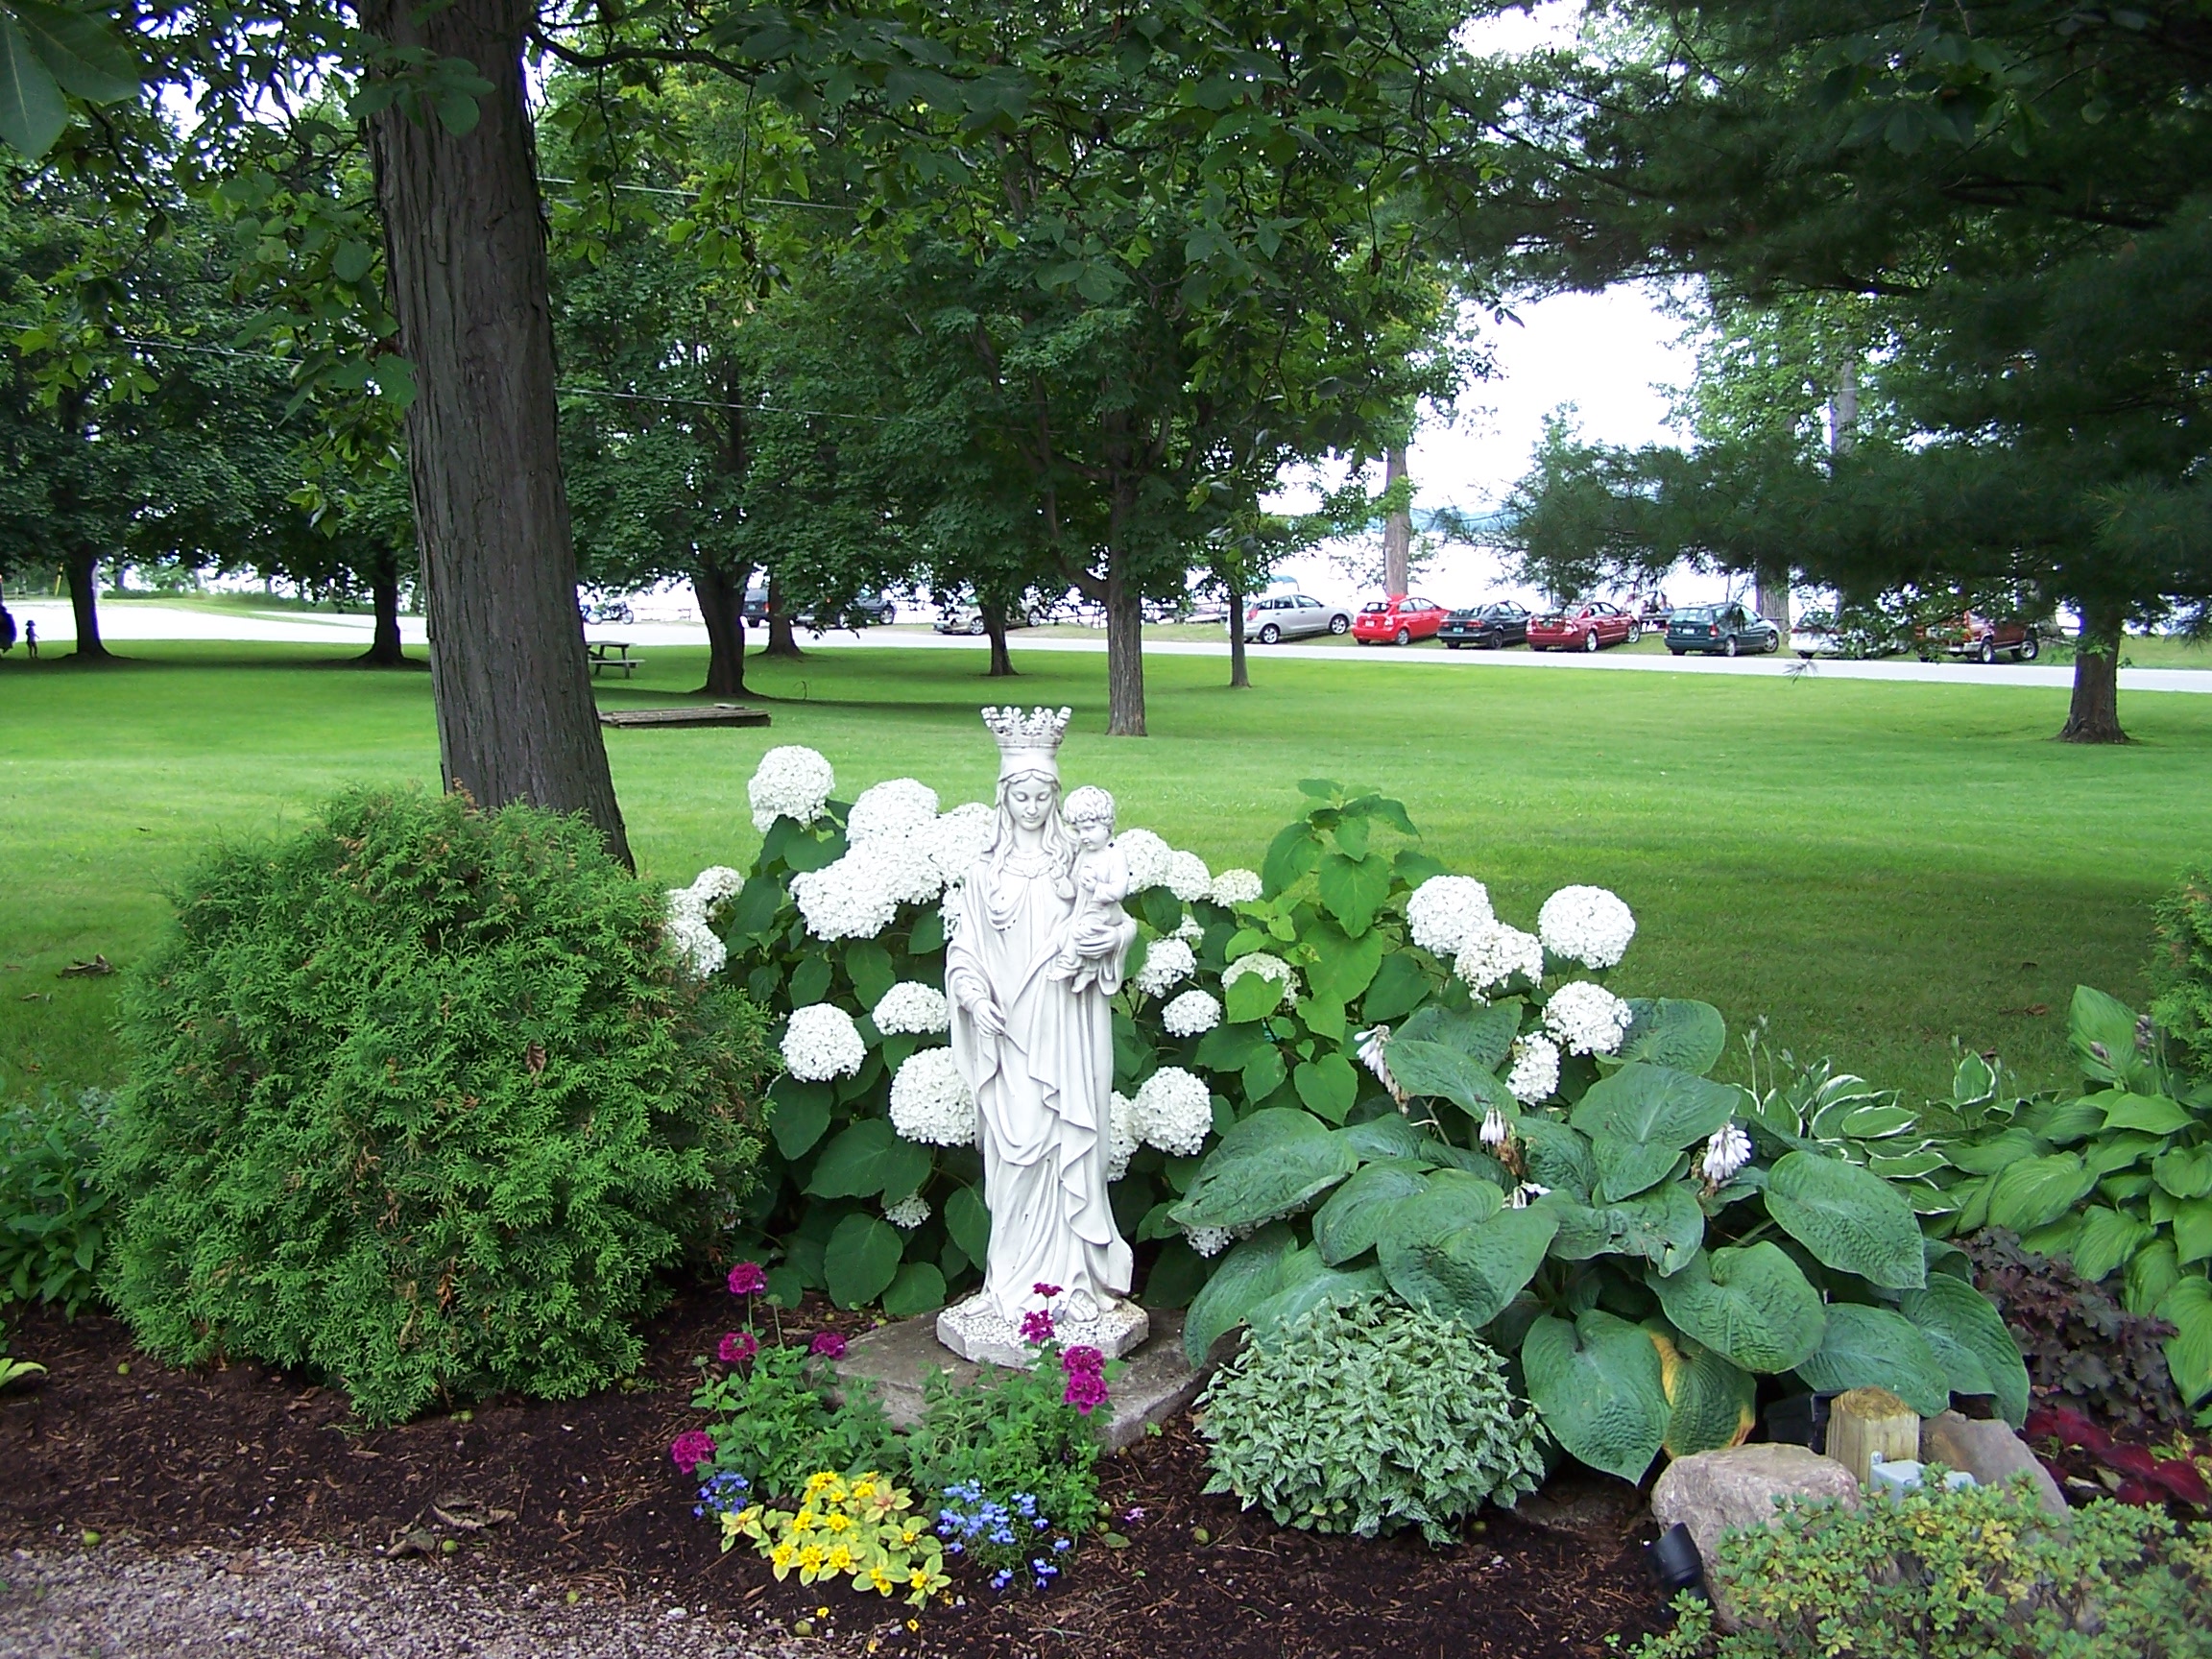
column 1737, row 1486
column 1989, row 1449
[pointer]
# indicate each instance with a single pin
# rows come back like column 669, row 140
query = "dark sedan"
column 1488, row 626
column 1721, row 630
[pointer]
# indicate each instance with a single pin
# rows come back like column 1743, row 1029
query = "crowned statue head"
column 1029, row 781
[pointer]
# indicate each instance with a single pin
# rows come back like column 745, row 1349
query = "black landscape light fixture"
column 1673, row 1559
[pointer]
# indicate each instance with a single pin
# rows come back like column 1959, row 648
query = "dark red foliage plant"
column 2082, row 1348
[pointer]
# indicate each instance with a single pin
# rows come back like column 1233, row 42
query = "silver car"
column 1281, row 616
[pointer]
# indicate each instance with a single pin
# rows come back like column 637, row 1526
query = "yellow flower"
column 917, row 1579
column 863, row 1489
column 803, row 1521
column 884, row 1581
column 781, row 1557
column 840, row 1560
column 810, row 1557
column 838, row 1522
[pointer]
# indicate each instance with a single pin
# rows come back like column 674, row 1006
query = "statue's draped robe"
column 1044, row 1090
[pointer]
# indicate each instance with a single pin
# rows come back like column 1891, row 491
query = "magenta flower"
column 737, row 1347
column 1047, row 1292
column 690, row 1449
column 1037, row 1326
column 1085, row 1391
column 829, row 1344
column 747, row 1279
column 1088, row 1360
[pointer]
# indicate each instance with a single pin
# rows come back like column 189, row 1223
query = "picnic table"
column 612, row 655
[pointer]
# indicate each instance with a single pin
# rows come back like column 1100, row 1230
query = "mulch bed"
column 242, row 1455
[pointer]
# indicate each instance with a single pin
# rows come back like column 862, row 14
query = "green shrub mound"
column 2181, row 969
column 53, row 1213
column 420, row 1098
column 1979, row 1574
column 1370, row 1418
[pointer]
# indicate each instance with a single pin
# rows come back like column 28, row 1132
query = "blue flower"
column 1003, row 1577
column 1061, row 1546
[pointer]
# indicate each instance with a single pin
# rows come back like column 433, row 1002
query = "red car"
column 1980, row 639
column 1584, row 628
column 1401, row 622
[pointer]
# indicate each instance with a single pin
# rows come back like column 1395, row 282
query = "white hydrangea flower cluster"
column 1148, row 857
column 1121, row 1134
column 911, row 1008
column 1443, row 913
column 1173, row 1111
column 1268, row 966
column 1237, row 887
column 791, row 782
column 957, row 839
column 1192, row 1013
column 1535, row 1075
column 1168, row 962
column 820, row 1043
column 895, row 807
column 1210, row 1241
column 1188, row 930
column 1493, row 953
column 1586, row 925
column 907, row 1214
column 696, row 943
column 859, row 895
column 1587, row 1018
column 931, row 1101
column 1187, row 877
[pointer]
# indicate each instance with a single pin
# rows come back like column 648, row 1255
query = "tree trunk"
column 1124, row 650
column 1844, row 409
column 465, row 246
column 384, row 650
column 1239, row 676
column 83, row 573
column 782, row 640
column 1773, row 601
column 1397, row 530
column 995, row 625
column 2095, row 714
column 721, row 597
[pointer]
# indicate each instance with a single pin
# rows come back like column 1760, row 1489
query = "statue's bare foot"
column 1083, row 1307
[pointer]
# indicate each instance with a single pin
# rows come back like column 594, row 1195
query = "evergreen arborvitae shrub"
column 2181, row 969
column 422, row 1099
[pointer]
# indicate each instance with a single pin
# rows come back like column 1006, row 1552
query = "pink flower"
column 1085, row 1391
column 1087, row 1360
column 1047, row 1292
column 690, row 1449
column 746, row 1278
column 737, row 1347
column 829, row 1344
column 1037, row 1326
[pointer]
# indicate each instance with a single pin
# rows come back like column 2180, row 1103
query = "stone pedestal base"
column 896, row 1362
column 976, row 1329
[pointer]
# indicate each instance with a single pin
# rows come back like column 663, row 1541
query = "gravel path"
column 123, row 1603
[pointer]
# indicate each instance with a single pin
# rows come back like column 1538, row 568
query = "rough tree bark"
column 782, row 640
column 1239, row 674
column 994, row 626
column 2093, row 716
column 1124, row 619
column 82, row 567
column 465, row 244
column 721, row 597
column 1397, row 530
column 384, row 650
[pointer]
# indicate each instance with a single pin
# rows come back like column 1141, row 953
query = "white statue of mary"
column 1037, row 1049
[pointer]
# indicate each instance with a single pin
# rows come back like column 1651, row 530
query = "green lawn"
column 1875, row 868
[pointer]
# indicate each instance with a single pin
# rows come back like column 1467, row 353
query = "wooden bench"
column 612, row 655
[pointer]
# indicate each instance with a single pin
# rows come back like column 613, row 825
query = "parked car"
column 1979, row 637
column 1730, row 630
column 969, row 619
column 1400, row 620
column 1853, row 632
column 865, row 609
column 1489, row 626
column 1279, row 616
column 1584, row 628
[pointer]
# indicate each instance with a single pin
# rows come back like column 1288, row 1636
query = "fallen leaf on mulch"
column 415, row 1541
column 466, row 1515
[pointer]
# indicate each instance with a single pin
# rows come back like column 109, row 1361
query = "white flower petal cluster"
column 1271, row 967
column 907, row 1214
column 1375, row 1055
column 1188, row 930
column 696, row 943
column 1443, row 912
column 857, row 897
column 1210, row 1241
column 1727, row 1151
column 1237, row 887
column 1587, row 1018
column 715, row 883
column 911, row 1008
column 895, row 807
column 820, row 1043
column 1187, row 877
column 1174, row 1112
column 1496, row 1131
column 1148, row 857
column 957, row 839
column 791, row 782
column 1190, row 1013
column 1535, row 1075
column 1586, row 925
column 931, row 1102
column 1120, row 1136
column 1168, row 962
column 1494, row 953
column 1527, row 1191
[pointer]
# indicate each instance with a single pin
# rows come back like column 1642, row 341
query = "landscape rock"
column 1713, row 1492
column 1989, row 1449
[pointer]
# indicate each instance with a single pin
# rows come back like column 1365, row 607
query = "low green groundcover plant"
column 1977, row 1574
column 53, row 1212
column 1368, row 1419
column 420, row 1098
column 1341, row 1075
column 2181, row 969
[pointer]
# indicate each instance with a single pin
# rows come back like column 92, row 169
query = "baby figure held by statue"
column 1101, row 881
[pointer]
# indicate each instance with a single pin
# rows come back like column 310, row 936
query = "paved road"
column 140, row 620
